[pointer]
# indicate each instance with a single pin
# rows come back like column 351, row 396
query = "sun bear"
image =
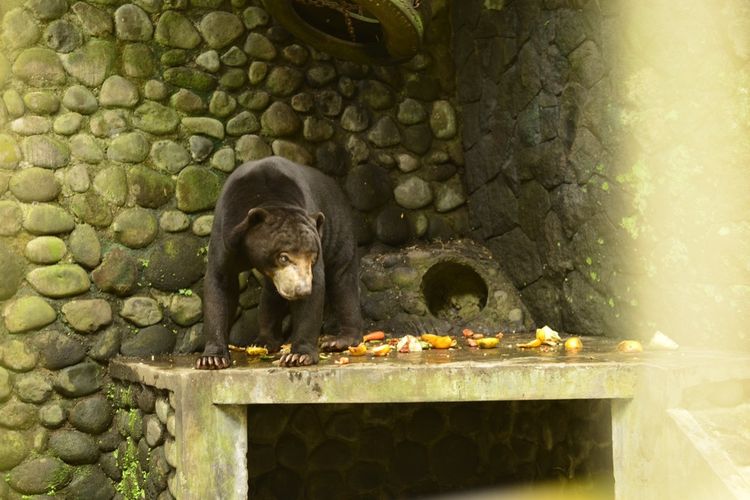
column 291, row 223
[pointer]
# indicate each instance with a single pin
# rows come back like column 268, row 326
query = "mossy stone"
column 256, row 100
column 411, row 112
column 40, row 476
column 59, row 280
column 197, row 189
column 155, row 90
column 169, row 156
column 12, row 269
column 14, row 447
column 413, row 193
column 109, row 123
column 132, row 24
column 292, row 151
column 13, row 103
column 85, row 148
column 87, row 316
column 220, row 28
column 251, row 147
column 244, row 123
column 48, row 219
column 117, row 91
column 190, row 79
column 258, row 46
column 45, row 250
column 77, row 178
column 204, row 126
column 149, row 341
column 187, row 102
column 28, row 313
column 46, row 152
column 280, row 120
column 257, row 72
column 85, row 246
column 39, row 67
column 141, row 311
column 91, row 415
column 137, row 60
column 92, row 209
column 233, row 79
column 11, row 218
column 20, row 29
column 34, row 184
column 10, row 153
column 111, row 183
column 221, row 104
column 42, row 102
column 94, row 21
column 254, row 17
column 30, row 125
column 155, row 118
column 283, row 81
column 234, row 57
column 174, row 57
column 209, row 61
column 175, row 30
column 62, row 36
column 117, row 273
column 129, row 148
column 80, row 99
column 316, row 129
column 79, row 380
column 91, row 63
column 46, row 10
column 149, row 188
column 176, row 262
column 384, row 133
column 135, row 227
column 68, row 123
column 443, row 120
column 174, row 221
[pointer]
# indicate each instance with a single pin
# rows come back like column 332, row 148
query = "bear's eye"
column 283, row 258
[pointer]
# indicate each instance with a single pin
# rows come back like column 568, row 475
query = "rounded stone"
column 18, row 356
column 90, row 482
column 142, row 311
column 368, row 186
column 251, row 147
column 13, row 103
column 91, row 63
column 79, row 380
column 137, row 60
column 12, row 266
column 411, row 112
column 10, row 154
column 39, row 476
column 34, row 184
column 149, row 341
column 155, row 118
column 375, row 95
column 320, row 75
column 176, row 30
column 45, row 250
column 85, row 246
column 47, row 152
column 149, row 188
column 221, row 104
column 80, row 99
column 6, row 387
column 33, row 388
column 443, row 120
column 200, row 147
column 185, row 310
column 384, row 133
column 204, row 126
column 87, row 316
column 132, row 147
column 202, row 225
column 190, row 79
column 111, row 183
column 234, row 57
column 48, row 219
column 20, row 29
column 392, row 226
column 14, row 448
column 233, row 79
column 257, row 72
column 292, row 151
column 135, row 227
column 254, row 17
column 62, row 36
column 106, row 346
column 77, row 178
column 109, row 123
column 197, row 189
column 74, row 447
column 188, row 102
column 85, row 148
column 10, row 218
column 42, row 102
column 68, row 123
column 243, row 123
column 28, row 313
column 92, row 209
column 332, row 158
column 133, row 24
column 47, row 10
column 58, row 350
column 174, row 221
column 95, row 21
column 39, row 67
column 176, row 262
column 418, row 138
column 413, row 193
column 317, row 129
column 117, row 273
column 301, row 103
column 169, row 156
column 52, row 415
column 119, row 92
column 220, row 28
column 60, row 280
column 155, row 90
column 92, row 415
column 328, row 102
column 258, row 46
column 30, row 125
column 355, row 118
column 449, row 196
column 283, row 81
column 279, row 120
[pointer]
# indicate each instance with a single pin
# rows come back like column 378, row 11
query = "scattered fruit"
column 499, row 335
column 630, row 346
column 573, row 344
column 468, row 332
column 439, row 341
column 381, row 350
column 488, row 342
column 408, row 343
column 530, row 345
column 548, row 336
column 477, row 336
column 254, row 350
column 377, row 335
column 471, row 343
column 358, row 350
column 661, row 342
column 343, row 360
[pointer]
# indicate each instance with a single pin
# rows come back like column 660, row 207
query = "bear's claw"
column 296, row 359
column 212, row 363
column 331, row 343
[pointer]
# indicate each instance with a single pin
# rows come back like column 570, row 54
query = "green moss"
column 630, row 224
column 131, row 484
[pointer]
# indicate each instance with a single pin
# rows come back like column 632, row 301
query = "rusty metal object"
column 366, row 31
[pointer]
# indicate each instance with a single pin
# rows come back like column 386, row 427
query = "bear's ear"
column 254, row 217
column 319, row 219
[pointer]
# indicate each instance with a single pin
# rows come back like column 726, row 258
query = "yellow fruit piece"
column 534, row 343
column 428, row 337
column 573, row 344
column 381, row 350
column 630, row 346
column 488, row 342
column 254, row 350
column 359, row 350
column 548, row 336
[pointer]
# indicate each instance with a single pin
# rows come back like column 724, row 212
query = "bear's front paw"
column 208, row 362
column 299, row 359
column 335, row 343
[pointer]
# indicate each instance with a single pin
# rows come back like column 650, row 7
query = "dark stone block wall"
column 541, row 133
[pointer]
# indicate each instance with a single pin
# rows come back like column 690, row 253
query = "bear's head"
column 284, row 244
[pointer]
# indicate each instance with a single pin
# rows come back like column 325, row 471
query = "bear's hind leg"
column 344, row 295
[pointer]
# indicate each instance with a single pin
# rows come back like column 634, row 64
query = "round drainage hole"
column 453, row 291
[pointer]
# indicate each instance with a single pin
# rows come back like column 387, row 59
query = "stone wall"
column 541, row 131
column 120, row 121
